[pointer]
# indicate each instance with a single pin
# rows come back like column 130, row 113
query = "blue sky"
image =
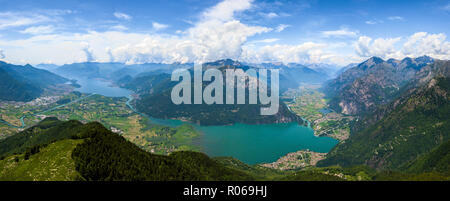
column 313, row 31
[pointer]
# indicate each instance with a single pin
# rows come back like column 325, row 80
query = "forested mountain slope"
column 398, row 133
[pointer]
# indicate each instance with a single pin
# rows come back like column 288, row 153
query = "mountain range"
column 400, row 131
column 410, row 123
column 374, row 82
column 25, row 83
column 113, row 71
column 155, row 100
column 293, row 75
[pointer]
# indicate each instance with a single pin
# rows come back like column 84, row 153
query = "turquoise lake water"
column 251, row 144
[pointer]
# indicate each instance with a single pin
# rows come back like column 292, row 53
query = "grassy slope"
column 49, row 130
column 100, row 154
column 105, row 156
column 52, row 163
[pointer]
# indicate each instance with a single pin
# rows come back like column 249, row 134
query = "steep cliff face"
column 425, row 77
column 374, row 82
column 398, row 133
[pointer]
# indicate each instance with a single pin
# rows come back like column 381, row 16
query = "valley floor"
column 114, row 114
column 308, row 102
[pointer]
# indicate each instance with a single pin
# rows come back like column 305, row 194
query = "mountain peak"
column 424, row 59
column 393, row 62
column 224, row 62
column 376, row 60
column 370, row 62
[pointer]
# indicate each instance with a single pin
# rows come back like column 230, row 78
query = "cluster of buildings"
column 43, row 101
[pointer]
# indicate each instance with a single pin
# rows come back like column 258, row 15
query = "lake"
column 101, row 87
column 251, row 144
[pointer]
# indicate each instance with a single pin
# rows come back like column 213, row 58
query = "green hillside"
column 437, row 160
column 49, row 130
column 25, row 83
column 97, row 154
column 105, row 156
column 93, row 153
column 13, row 89
column 418, row 123
column 155, row 100
column 52, row 163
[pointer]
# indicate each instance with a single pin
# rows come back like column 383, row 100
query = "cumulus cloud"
column 225, row 10
column 367, row 47
column 422, row 43
column 217, row 35
column 157, row 26
column 2, row 54
column 89, row 52
column 343, row 32
column 122, row 16
column 38, row 30
column 207, row 41
column 111, row 56
column 308, row 52
column 418, row 44
column 66, row 48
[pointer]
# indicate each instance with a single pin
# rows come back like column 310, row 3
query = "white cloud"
column 157, row 26
column 119, row 27
column 343, row 32
column 66, row 48
column 268, row 40
column 418, row 44
column 225, row 10
column 2, row 54
column 372, row 22
column 88, row 51
column 17, row 19
column 216, row 35
column 282, row 27
column 308, row 52
column 395, row 18
column 122, row 16
column 39, row 30
column 367, row 47
column 422, row 43
column 271, row 15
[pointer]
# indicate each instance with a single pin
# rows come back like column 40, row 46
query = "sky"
column 255, row 31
